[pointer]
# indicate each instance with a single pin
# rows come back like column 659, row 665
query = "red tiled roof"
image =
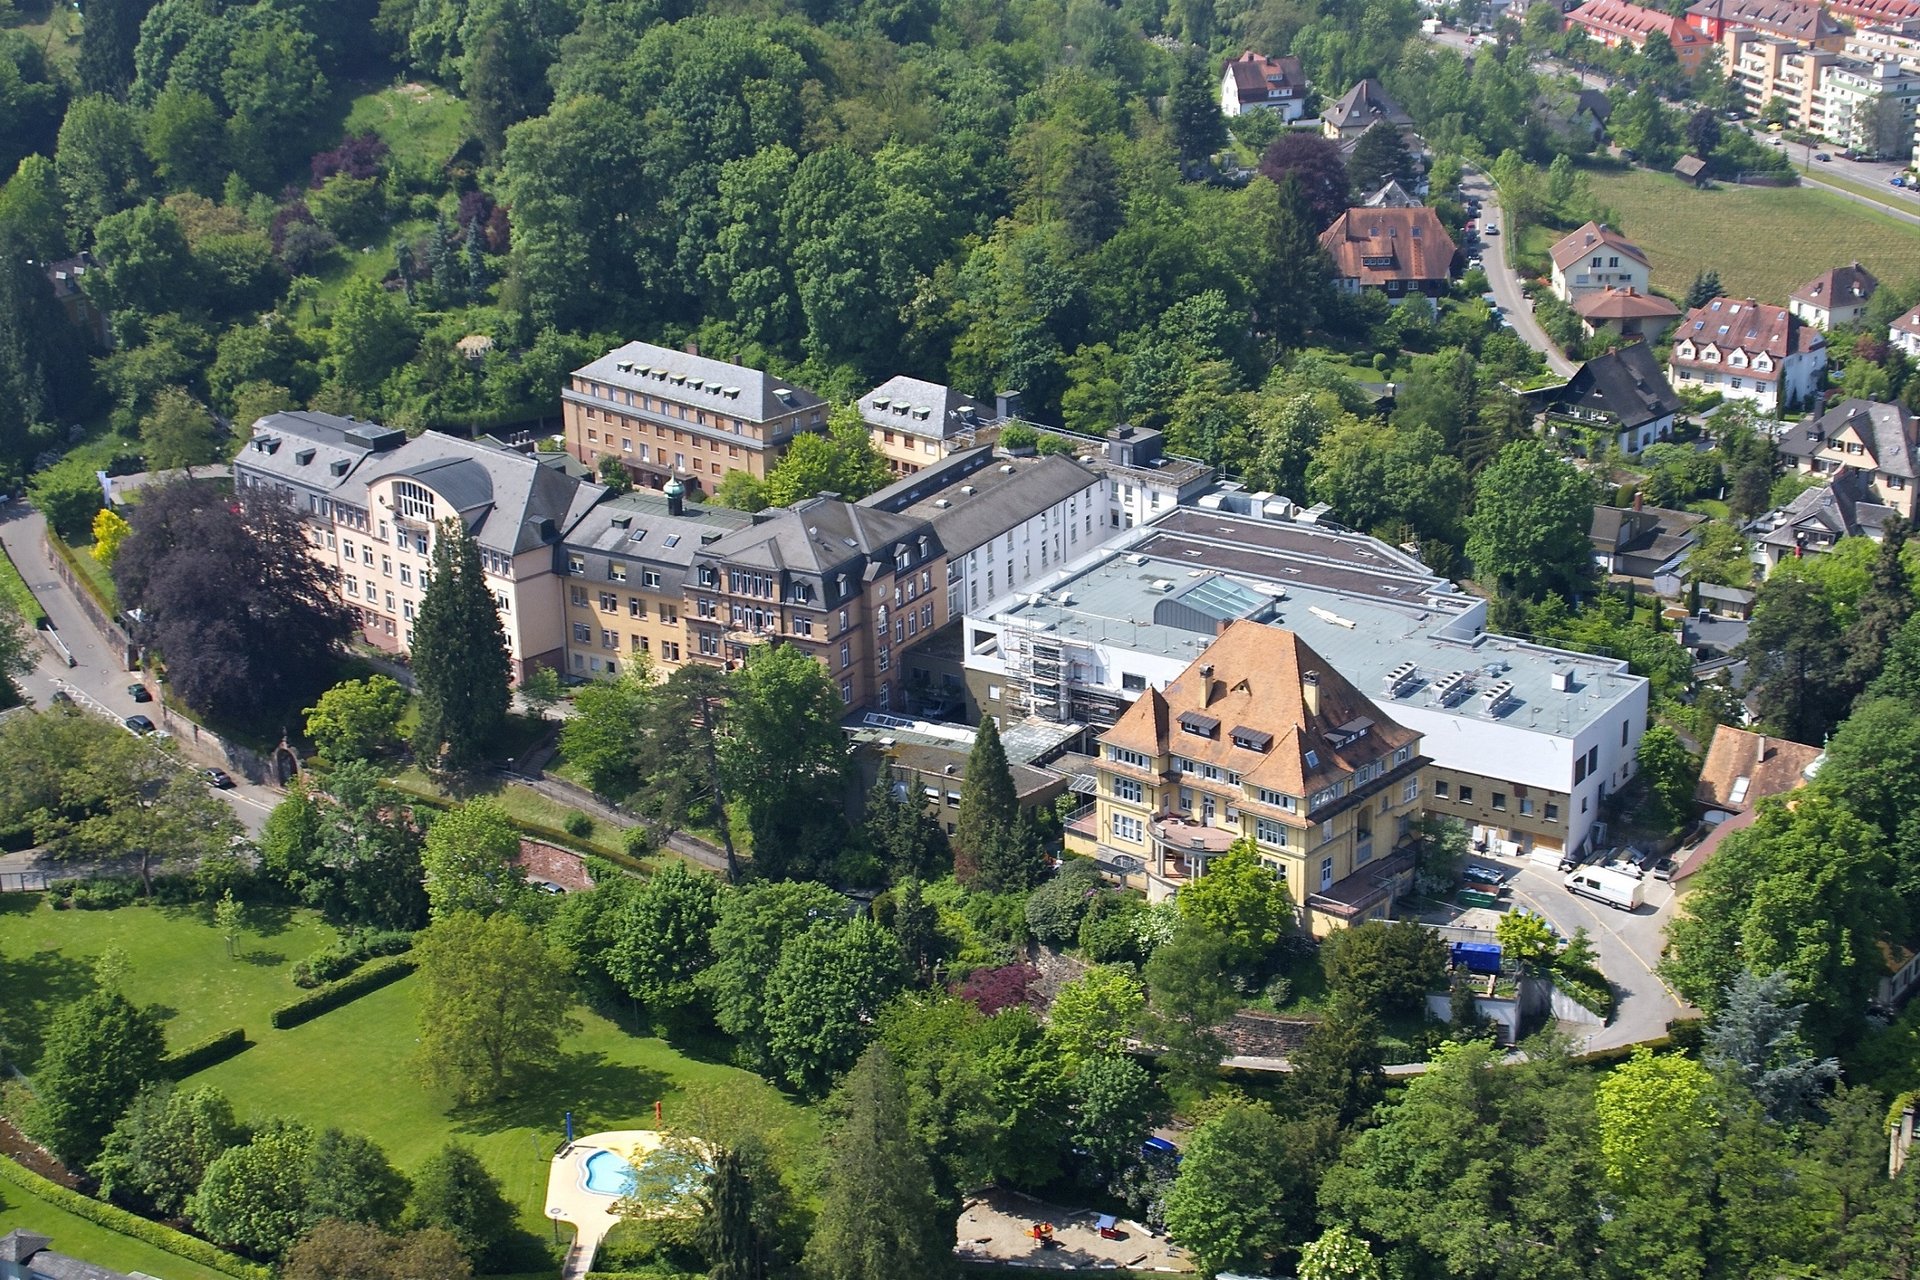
column 1869, row 11
column 1749, row 326
column 1634, row 21
column 1623, row 304
column 1910, row 322
column 1787, row 18
column 1258, row 78
column 1375, row 246
column 1584, row 240
column 1841, row 286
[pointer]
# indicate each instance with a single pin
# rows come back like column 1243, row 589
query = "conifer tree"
column 991, row 845
column 460, row 659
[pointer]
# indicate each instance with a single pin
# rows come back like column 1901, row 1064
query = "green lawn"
column 422, row 123
column 351, row 1068
column 176, row 960
column 79, row 1238
column 15, row 592
column 1764, row 241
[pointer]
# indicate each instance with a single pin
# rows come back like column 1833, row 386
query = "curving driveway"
column 1504, row 281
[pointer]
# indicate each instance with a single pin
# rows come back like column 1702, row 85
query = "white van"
column 1621, row 892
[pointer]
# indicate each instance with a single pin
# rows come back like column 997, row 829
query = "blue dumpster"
column 1477, row 957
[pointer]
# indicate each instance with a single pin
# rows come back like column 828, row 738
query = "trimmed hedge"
column 330, row 964
column 198, row 1057
column 356, row 984
column 114, row 1218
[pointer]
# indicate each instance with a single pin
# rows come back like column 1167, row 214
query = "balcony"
column 1191, row 839
column 1350, row 899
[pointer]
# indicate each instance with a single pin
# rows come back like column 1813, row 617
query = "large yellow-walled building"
column 1261, row 739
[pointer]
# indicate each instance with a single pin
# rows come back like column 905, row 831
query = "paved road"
column 98, row 674
column 1628, row 945
column 1504, row 281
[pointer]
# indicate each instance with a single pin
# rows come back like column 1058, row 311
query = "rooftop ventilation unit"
column 1136, row 558
column 1562, row 681
column 1400, row 677
column 1162, row 584
column 1496, row 697
column 1450, row 690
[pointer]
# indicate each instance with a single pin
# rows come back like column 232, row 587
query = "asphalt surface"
column 1628, row 947
column 98, row 677
column 1503, row 280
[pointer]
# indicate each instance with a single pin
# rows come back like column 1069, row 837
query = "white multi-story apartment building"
column 373, row 500
column 1003, row 521
column 1525, row 740
column 1867, row 106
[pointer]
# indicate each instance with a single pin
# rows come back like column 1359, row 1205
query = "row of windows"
column 1497, row 801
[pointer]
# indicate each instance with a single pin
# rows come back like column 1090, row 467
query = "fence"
column 27, row 881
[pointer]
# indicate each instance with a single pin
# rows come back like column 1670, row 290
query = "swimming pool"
column 609, row 1174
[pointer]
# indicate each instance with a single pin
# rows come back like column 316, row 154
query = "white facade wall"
column 1043, row 543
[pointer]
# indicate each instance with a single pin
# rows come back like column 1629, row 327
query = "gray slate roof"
column 510, row 501
column 1627, row 383
column 730, row 388
column 1831, row 511
column 636, row 528
column 1888, row 429
column 1363, row 104
column 823, row 537
column 30, row 1249
column 924, row 408
column 1391, row 196
column 1006, row 494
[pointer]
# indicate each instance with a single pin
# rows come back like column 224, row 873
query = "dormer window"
column 1199, row 724
column 1252, row 739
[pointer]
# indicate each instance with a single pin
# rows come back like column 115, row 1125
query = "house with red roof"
column 1808, row 24
column 1399, row 251
column 1748, row 350
column 1627, row 312
column 1596, row 257
column 1255, row 82
column 1616, row 22
column 1839, row 296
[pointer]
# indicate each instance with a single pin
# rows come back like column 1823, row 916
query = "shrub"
column 1056, row 908
column 578, row 825
column 1019, row 436
column 1051, row 445
column 203, row 1054
column 94, row 895
column 329, row 964
column 114, row 1218
column 331, row 996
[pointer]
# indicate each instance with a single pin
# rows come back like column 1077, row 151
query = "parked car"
column 139, row 692
column 1898, row 180
column 1663, row 869
column 1485, row 875
column 1822, row 156
column 219, row 779
column 140, row 726
column 1492, row 230
column 61, row 698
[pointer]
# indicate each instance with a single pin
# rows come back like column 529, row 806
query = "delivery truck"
column 1620, row 891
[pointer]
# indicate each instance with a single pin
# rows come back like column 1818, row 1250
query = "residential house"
column 916, row 423
column 1749, row 350
column 851, row 586
column 1879, row 441
column 1526, row 739
column 1002, row 521
column 1255, row 82
column 1401, row 252
column 1904, row 333
column 1834, row 297
column 1809, row 24
column 1615, row 22
column 28, row 1255
column 1623, row 392
column 67, row 277
column 1596, row 257
column 1144, row 481
column 1740, row 770
column 935, row 770
column 1391, row 196
column 629, row 565
column 1359, row 109
column 676, row 415
column 1817, row 519
column 373, row 500
column 1626, row 312
column 1638, row 542
column 1262, row 739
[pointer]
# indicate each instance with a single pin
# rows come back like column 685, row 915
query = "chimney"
column 1206, row 684
column 1310, row 692
column 1760, row 756
column 1638, row 500
column 676, row 498
column 693, row 348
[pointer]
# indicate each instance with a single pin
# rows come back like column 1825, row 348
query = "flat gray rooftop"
column 1372, row 625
